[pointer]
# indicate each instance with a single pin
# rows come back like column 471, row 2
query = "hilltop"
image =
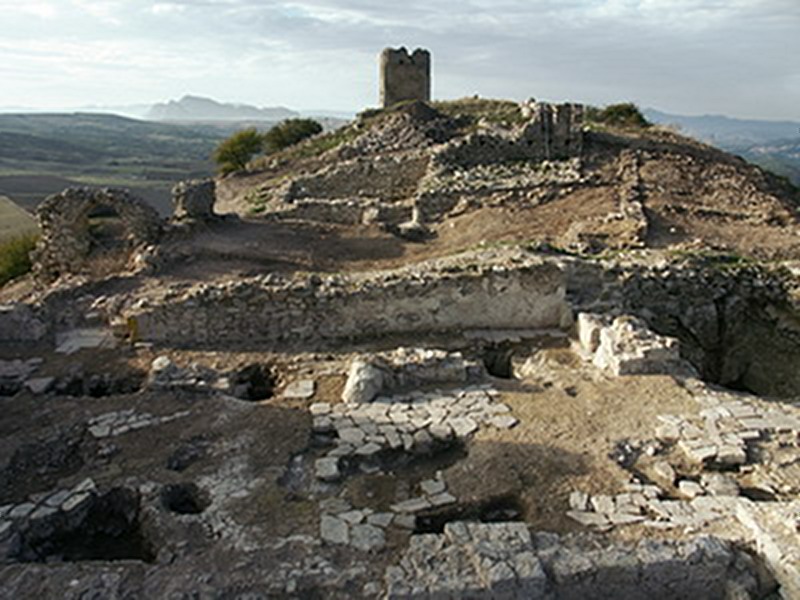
column 625, row 187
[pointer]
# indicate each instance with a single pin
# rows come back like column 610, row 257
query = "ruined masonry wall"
column 553, row 132
column 63, row 220
column 347, row 212
column 388, row 178
column 527, row 295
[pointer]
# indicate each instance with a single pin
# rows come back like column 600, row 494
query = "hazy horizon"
column 691, row 57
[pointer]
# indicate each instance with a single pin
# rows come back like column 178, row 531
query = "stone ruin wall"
column 22, row 323
column 65, row 242
column 552, row 132
column 525, row 295
column 357, row 191
column 735, row 325
column 404, row 76
column 387, row 178
column 382, row 181
column 347, row 212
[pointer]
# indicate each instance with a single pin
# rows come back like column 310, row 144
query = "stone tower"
column 404, row 76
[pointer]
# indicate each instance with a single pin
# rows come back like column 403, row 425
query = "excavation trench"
column 253, row 383
column 107, row 528
column 494, row 510
column 184, row 499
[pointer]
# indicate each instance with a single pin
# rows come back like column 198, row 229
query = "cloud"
column 43, row 10
column 734, row 56
column 167, row 8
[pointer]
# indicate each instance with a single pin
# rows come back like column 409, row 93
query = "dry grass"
column 501, row 112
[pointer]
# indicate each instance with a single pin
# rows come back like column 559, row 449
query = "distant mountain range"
column 196, row 108
column 774, row 145
column 727, row 131
column 191, row 108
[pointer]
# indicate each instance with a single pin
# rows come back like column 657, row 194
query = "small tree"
column 15, row 256
column 626, row 114
column 234, row 153
column 289, row 133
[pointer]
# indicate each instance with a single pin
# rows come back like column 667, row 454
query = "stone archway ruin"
column 66, row 242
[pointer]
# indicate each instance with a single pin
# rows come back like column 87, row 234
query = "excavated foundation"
column 106, row 528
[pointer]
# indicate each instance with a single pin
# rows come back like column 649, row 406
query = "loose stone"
column 333, row 530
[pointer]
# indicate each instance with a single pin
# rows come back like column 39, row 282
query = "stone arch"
column 66, row 240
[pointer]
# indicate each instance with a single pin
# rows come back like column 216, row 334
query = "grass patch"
column 321, row 144
column 723, row 261
column 15, row 259
column 500, row 112
column 311, row 147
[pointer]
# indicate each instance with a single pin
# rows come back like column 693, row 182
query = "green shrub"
column 15, row 258
column 626, row 114
column 289, row 133
column 234, row 153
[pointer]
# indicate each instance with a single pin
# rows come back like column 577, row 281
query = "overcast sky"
column 734, row 57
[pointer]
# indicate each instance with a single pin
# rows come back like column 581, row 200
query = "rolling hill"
column 14, row 220
column 40, row 154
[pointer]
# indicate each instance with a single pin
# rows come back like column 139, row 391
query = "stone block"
column 193, row 200
column 589, row 327
column 364, row 382
column 333, row 530
column 302, row 389
column 327, row 469
column 366, row 537
column 39, row 385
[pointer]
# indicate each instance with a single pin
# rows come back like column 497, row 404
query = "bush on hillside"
column 15, row 259
column 289, row 133
column 234, row 153
column 626, row 114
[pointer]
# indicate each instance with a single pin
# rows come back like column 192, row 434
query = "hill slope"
column 40, row 154
column 14, row 220
column 774, row 145
column 617, row 188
